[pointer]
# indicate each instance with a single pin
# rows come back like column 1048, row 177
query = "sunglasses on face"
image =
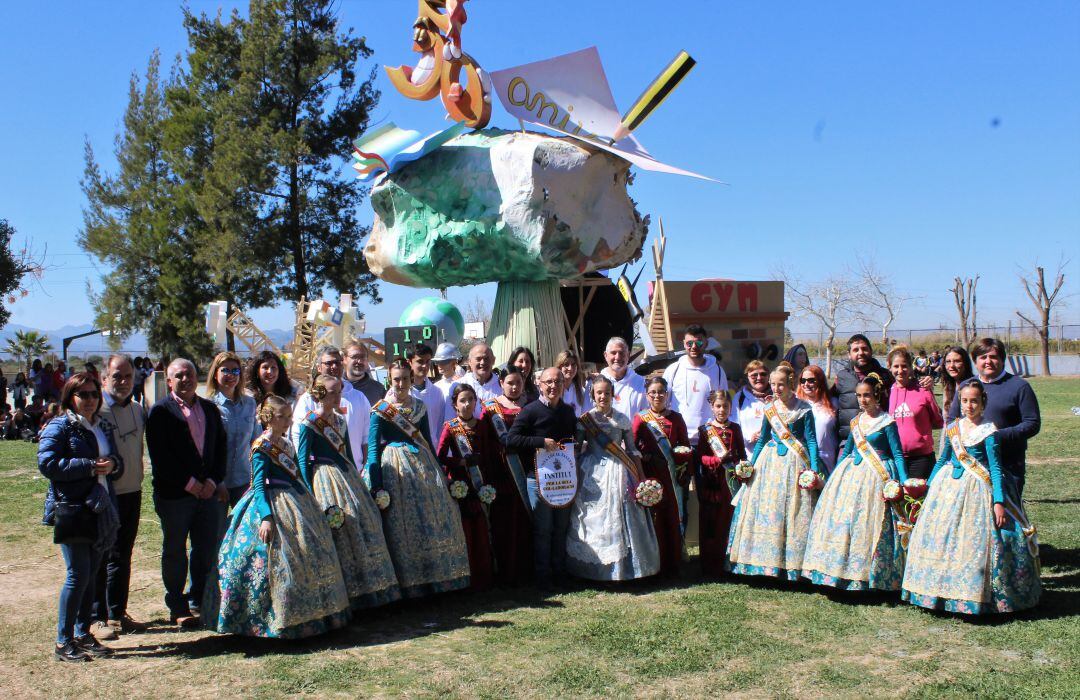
column 231, row 372
column 694, row 343
column 808, row 380
column 87, row 395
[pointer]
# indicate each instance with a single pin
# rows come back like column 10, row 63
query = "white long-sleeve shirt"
column 484, row 392
column 748, row 411
column 435, row 401
column 629, row 398
column 357, row 411
column 689, row 388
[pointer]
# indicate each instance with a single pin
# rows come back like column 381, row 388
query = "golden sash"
column 782, row 433
column 868, row 453
column 969, row 462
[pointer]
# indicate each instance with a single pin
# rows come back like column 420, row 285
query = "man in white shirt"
column 629, row 387
column 692, row 378
column 481, row 377
column 748, row 407
column 354, row 405
column 419, row 358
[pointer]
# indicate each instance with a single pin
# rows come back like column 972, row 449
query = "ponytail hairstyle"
column 600, row 380
column 785, row 370
column 977, row 385
column 877, row 386
column 719, row 394
column 400, row 364
column 270, row 406
column 460, row 389
column 657, row 380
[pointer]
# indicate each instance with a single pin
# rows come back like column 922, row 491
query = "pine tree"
column 136, row 222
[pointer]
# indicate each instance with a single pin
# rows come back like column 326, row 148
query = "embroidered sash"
column 513, row 460
column 965, row 458
column 867, row 452
column 281, row 457
column 461, row 438
column 388, row 412
column 597, row 434
column 653, row 422
column 782, row 433
column 721, row 452
column 330, row 433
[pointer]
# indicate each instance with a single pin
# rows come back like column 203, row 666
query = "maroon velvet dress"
column 511, row 521
column 714, row 495
column 473, row 519
column 665, row 514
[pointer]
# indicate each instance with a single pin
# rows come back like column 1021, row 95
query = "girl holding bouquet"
column 328, row 467
column 854, row 543
column 464, row 446
column 510, row 515
column 719, row 449
column 773, row 509
column 611, row 536
column 973, row 549
column 421, row 522
column 660, row 435
column 278, row 570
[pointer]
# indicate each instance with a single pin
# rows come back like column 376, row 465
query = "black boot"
column 70, row 652
column 92, row 646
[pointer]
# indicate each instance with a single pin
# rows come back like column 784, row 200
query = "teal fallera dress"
column 854, row 543
column 332, row 475
column 287, row 589
column 958, row 559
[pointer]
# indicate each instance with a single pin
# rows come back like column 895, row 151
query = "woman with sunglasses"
column 238, row 417
column 78, row 456
column 660, row 436
column 814, row 389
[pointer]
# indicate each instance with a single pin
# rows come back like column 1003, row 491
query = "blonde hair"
column 785, row 370
column 269, row 407
column 211, row 379
column 564, row 357
column 318, row 388
column 752, row 365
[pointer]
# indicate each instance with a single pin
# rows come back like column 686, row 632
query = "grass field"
column 685, row 639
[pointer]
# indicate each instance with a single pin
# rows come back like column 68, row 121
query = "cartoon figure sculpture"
column 437, row 37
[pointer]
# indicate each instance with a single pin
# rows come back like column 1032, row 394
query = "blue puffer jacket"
column 66, row 454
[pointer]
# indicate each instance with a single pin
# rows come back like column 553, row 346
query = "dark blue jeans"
column 201, row 521
column 549, row 537
column 77, row 594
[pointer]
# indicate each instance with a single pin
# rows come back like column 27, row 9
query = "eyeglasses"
column 235, row 372
column 656, row 393
column 548, row 382
column 87, row 395
column 330, row 363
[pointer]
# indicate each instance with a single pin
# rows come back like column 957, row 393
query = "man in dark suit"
column 545, row 424
column 186, row 442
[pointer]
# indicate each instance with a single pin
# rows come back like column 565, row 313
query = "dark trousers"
column 77, row 593
column 114, row 575
column 236, row 493
column 201, row 521
column 549, row 537
column 919, row 466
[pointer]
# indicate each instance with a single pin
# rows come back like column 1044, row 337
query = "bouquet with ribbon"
column 907, row 507
column 810, row 480
column 648, row 493
column 892, row 491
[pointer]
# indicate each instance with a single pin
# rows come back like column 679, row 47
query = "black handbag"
column 75, row 523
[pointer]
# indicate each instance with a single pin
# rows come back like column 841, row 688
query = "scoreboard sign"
column 400, row 338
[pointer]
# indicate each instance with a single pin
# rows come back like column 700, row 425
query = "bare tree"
column 877, row 300
column 477, row 311
column 1044, row 300
column 964, row 295
column 831, row 302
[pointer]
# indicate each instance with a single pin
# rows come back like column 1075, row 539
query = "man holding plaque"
column 547, row 424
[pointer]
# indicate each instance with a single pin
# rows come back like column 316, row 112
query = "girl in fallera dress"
column 773, row 509
column 278, row 573
column 660, row 436
column 854, row 543
column 329, row 469
column 719, row 448
column 509, row 514
column 973, row 549
column 421, row 522
column 466, row 445
column 611, row 537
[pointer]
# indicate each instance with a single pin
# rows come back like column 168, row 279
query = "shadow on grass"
column 393, row 623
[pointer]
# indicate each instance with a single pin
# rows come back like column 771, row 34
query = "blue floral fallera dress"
column 287, row 589
column 772, row 514
column 958, row 560
column 854, row 543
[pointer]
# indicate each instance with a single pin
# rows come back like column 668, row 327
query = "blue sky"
column 944, row 138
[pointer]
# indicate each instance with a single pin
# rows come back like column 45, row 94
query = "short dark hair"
column 859, row 338
column 695, row 329
column 67, row 394
column 983, row 346
column 418, row 350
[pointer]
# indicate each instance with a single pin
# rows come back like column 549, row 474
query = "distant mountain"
column 99, row 345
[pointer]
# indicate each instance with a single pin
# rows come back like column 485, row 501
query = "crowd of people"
column 286, row 511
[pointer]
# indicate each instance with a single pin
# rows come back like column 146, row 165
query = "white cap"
column 446, row 351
